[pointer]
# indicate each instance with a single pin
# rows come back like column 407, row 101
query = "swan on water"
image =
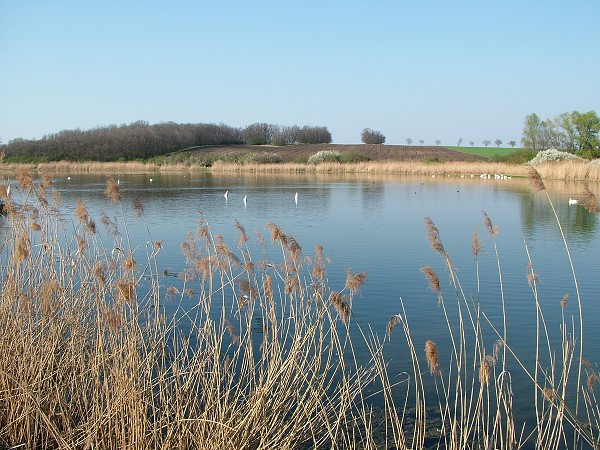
column 296, row 198
column 573, row 201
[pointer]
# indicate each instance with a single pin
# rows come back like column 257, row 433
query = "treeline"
column 573, row 132
column 140, row 140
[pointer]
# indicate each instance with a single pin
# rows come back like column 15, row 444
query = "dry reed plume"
column 590, row 201
column 431, row 353
column 433, row 235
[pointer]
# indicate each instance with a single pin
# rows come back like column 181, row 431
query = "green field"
column 486, row 151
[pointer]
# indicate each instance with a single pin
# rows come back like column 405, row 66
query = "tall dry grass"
column 566, row 170
column 99, row 350
column 90, row 358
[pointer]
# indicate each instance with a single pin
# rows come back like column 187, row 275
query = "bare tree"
column 258, row 134
column 369, row 136
column 472, row 143
column 460, row 141
column 487, row 142
column 512, row 143
column 438, row 142
column 421, row 141
column 313, row 135
column 498, row 143
column 409, row 141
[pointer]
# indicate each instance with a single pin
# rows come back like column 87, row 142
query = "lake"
column 375, row 224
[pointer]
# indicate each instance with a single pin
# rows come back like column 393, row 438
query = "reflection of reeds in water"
column 258, row 353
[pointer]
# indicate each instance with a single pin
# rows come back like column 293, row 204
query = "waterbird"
column 225, row 195
column 245, row 198
column 573, row 201
column 296, row 198
column 151, row 180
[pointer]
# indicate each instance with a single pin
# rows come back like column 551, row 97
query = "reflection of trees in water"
column 575, row 219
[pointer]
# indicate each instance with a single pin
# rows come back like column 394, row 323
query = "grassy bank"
column 567, row 170
column 90, row 357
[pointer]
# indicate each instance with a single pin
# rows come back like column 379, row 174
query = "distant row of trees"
column 573, row 132
column 485, row 142
column 369, row 136
column 142, row 140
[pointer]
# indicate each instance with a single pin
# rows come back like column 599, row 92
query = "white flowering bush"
column 325, row 156
column 552, row 155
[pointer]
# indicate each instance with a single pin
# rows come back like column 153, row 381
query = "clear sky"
column 422, row 69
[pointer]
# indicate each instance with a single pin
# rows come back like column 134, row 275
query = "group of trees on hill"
column 141, row 140
column 573, row 132
column 369, row 136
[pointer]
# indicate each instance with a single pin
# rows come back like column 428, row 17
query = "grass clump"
column 354, row 156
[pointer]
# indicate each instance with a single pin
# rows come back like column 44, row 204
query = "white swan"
column 245, row 198
column 573, row 201
column 296, row 199
column 225, row 195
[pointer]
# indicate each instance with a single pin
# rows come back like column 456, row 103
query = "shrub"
column 325, row 156
column 552, row 155
column 519, row 157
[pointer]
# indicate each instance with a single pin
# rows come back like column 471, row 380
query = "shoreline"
column 565, row 170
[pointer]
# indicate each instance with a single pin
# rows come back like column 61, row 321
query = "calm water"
column 375, row 224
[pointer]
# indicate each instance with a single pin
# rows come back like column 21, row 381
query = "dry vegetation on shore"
column 565, row 170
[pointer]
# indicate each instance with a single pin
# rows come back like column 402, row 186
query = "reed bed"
column 99, row 350
column 80, row 167
column 566, row 170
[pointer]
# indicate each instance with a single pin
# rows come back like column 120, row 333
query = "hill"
column 373, row 152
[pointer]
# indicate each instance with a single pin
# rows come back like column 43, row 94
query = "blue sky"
column 420, row 69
